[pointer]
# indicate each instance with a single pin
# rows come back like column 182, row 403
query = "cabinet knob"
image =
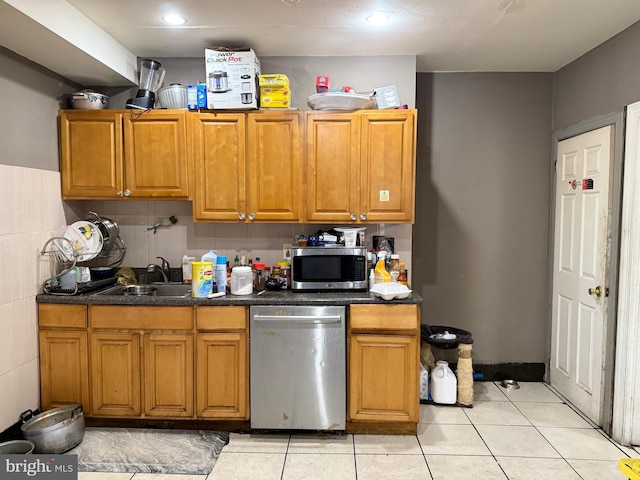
column 241, row 216
column 363, row 216
column 252, row 216
column 353, row 216
column 119, row 193
column 127, row 193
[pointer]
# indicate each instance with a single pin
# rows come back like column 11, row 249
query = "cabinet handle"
column 363, row 216
column 252, row 216
column 127, row 193
column 241, row 216
column 353, row 216
column 119, row 193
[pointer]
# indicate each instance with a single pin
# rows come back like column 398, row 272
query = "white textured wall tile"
column 132, row 207
column 6, row 341
column 102, row 207
column 9, row 248
column 24, row 332
column 8, row 402
column 27, row 384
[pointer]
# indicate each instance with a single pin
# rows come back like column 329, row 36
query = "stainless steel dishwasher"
column 298, row 367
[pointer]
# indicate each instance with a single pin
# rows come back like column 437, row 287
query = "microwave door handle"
column 317, row 319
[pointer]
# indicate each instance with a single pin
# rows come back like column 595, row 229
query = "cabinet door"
column 218, row 151
column 333, row 167
column 383, row 378
column 388, row 166
column 91, row 154
column 156, row 164
column 222, row 375
column 115, row 374
column 64, row 371
column 274, row 147
column 168, row 375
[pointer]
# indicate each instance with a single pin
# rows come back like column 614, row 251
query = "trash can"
column 436, row 336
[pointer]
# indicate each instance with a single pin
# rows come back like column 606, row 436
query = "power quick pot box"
column 232, row 78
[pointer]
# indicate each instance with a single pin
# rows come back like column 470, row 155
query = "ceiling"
column 444, row 35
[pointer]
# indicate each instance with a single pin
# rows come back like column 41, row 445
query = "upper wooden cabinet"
column 114, row 154
column 361, row 167
column 357, row 167
column 248, row 167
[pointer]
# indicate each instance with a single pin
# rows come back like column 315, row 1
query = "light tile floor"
column 523, row 434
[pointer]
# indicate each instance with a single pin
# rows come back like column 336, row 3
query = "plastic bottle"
column 402, row 277
column 443, row 384
column 381, row 274
column 241, row 281
column 221, row 274
column 210, row 256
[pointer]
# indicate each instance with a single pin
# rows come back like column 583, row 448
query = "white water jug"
column 443, row 384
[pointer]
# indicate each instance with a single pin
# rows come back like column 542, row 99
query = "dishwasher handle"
column 315, row 319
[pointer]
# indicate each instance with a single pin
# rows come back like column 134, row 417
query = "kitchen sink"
column 157, row 290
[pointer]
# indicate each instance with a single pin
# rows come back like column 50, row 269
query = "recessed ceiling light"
column 377, row 19
column 173, row 19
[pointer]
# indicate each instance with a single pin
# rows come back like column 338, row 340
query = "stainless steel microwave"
column 329, row 267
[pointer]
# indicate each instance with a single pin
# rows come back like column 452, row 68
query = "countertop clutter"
column 279, row 297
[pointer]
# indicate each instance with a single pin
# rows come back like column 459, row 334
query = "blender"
column 151, row 76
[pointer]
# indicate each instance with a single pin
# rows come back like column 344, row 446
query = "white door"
column 580, row 269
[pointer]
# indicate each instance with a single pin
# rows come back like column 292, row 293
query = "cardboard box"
column 387, row 97
column 232, row 79
column 275, row 91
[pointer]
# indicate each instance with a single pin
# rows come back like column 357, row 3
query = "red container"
column 322, row 84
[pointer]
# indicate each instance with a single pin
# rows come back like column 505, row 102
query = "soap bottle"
column 381, row 273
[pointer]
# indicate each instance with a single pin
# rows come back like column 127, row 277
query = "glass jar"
column 394, row 267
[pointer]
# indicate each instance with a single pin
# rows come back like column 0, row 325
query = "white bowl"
column 173, row 97
column 341, row 101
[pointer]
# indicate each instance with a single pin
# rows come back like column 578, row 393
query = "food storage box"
column 387, row 97
column 275, row 91
column 232, row 78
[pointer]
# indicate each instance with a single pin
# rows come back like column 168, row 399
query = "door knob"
column 596, row 291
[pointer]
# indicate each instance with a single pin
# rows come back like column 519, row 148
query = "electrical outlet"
column 286, row 251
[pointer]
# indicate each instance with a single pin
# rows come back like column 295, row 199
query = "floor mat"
column 146, row 450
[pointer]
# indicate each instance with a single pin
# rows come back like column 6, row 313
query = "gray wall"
column 31, row 96
column 602, row 81
column 480, row 242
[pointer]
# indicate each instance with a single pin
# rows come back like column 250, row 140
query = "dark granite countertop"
column 267, row 298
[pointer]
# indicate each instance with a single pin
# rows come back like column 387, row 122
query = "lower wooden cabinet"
column 115, row 374
column 168, row 375
column 222, row 373
column 64, row 371
column 145, row 368
column 192, row 362
column 384, row 358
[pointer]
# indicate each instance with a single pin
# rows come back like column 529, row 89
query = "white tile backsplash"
column 31, row 210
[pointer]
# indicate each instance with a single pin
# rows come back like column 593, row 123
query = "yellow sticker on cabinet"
column 384, row 195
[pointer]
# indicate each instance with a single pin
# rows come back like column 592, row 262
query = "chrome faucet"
column 164, row 269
